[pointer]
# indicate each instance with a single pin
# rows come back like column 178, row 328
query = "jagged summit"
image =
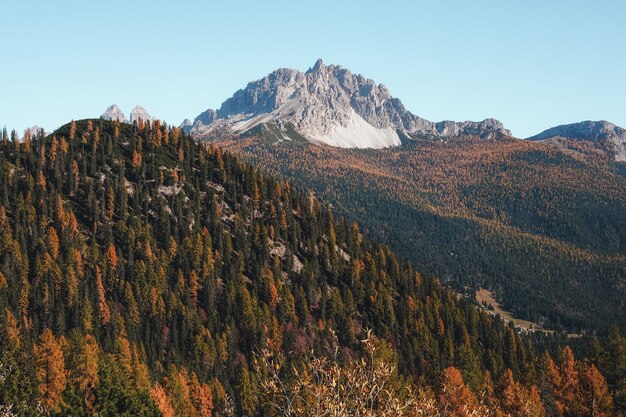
column 319, row 64
column 139, row 112
column 596, row 131
column 331, row 105
column 113, row 112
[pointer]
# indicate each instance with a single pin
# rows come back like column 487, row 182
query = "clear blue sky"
column 532, row 64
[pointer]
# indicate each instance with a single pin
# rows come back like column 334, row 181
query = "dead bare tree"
column 324, row 387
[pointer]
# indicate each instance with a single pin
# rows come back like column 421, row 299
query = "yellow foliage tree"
column 162, row 401
column 50, row 371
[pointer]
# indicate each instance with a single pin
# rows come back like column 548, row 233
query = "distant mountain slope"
column 605, row 134
column 579, row 213
column 329, row 105
column 542, row 226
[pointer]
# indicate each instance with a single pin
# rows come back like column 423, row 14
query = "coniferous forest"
column 541, row 226
column 143, row 274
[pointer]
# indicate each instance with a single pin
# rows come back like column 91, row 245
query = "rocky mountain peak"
column 113, row 112
column 139, row 112
column 331, row 105
column 319, row 66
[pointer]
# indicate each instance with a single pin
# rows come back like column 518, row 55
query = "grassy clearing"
column 485, row 297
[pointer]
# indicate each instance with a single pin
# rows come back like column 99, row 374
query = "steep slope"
column 328, row 105
column 541, row 226
column 140, row 272
column 605, row 134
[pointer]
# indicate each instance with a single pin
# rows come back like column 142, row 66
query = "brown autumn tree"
column 85, row 372
column 112, row 256
column 550, row 381
column 136, row 160
column 455, row 398
column 202, row 397
column 26, row 141
column 566, row 386
column 53, row 241
column 41, row 180
column 9, row 330
column 72, row 130
column 54, row 148
column 518, row 400
column 161, row 399
column 50, row 371
column 193, row 288
column 103, row 306
column 489, row 398
column 595, row 397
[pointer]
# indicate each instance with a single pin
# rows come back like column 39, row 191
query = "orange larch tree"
column 455, row 398
column 50, row 371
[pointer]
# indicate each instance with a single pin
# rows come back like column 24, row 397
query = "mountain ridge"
column 497, row 214
column 601, row 132
column 329, row 104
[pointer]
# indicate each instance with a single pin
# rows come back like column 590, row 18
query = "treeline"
column 142, row 274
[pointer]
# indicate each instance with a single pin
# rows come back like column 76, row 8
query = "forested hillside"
column 142, row 274
column 541, row 226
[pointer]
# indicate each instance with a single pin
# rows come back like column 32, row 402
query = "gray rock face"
column 594, row 131
column 204, row 119
column 186, row 125
column 485, row 129
column 207, row 117
column 113, row 112
column 331, row 105
column 139, row 112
